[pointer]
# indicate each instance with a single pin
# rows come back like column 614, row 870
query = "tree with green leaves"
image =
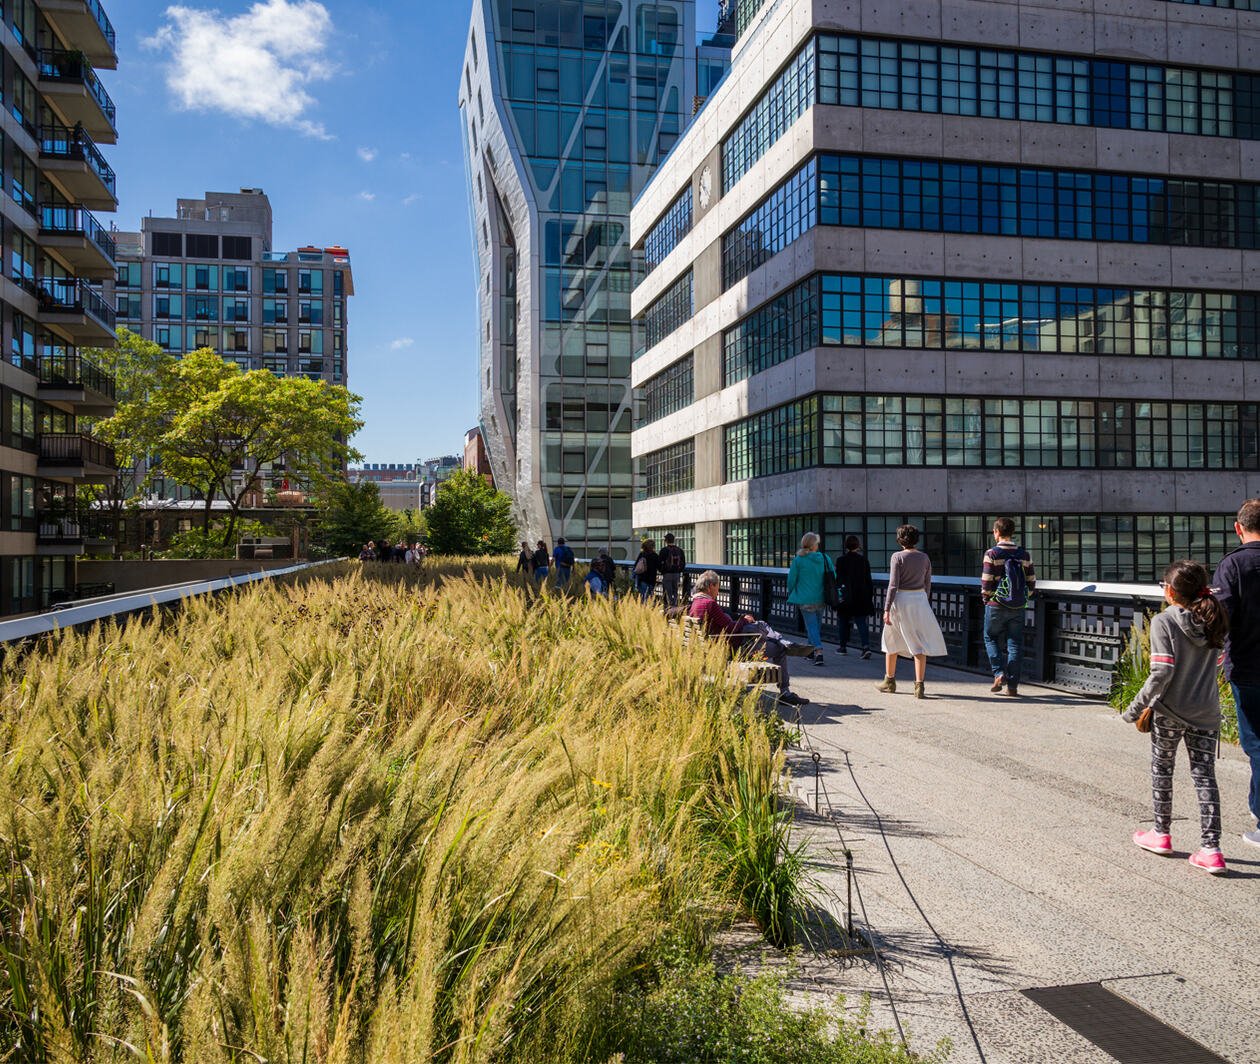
column 213, row 427
column 468, row 516
column 350, row 515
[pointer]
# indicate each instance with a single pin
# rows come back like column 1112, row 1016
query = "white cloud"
column 409, row 200
column 256, row 65
column 368, row 154
column 400, row 343
column 367, row 197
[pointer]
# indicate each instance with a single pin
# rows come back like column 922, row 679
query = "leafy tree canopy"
column 351, row 514
column 468, row 516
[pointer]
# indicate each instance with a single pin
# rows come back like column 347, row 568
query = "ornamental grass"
column 370, row 816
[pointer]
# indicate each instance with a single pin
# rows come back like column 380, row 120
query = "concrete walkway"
column 992, row 842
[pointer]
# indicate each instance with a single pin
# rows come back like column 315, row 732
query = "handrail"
column 64, row 142
column 1075, row 633
column 69, row 294
column 75, row 447
column 58, row 64
column 59, row 219
column 73, row 371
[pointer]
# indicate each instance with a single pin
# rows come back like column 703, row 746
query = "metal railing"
column 73, row 221
column 74, row 448
column 1074, row 634
column 63, row 142
column 69, row 295
column 74, row 371
column 57, row 64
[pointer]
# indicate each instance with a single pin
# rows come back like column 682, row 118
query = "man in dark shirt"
column 1237, row 583
column 747, row 633
column 673, row 565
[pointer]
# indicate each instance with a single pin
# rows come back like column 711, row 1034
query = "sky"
column 344, row 112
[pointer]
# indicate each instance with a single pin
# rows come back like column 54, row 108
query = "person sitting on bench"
column 746, row 635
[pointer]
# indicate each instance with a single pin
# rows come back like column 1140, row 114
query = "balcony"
column 71, row 158
column 86, row 26
column 69, row 534
column 73, row 456
column 68, row 80
column 77, row 382
column 75, row 310
column 82, row 244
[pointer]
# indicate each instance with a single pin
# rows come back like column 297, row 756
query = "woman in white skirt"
column 910, row 628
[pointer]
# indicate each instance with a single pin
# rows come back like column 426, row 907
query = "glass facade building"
column 54, row 178
column 933, row 274
column 567, row 108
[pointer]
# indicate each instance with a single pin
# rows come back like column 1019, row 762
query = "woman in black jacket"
column 646, row 566
column 853, row 573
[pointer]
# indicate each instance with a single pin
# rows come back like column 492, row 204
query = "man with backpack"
column 673, row 563
column 1007, row 583
column 563, row 558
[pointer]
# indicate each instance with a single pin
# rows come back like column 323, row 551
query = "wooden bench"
column 747, row 671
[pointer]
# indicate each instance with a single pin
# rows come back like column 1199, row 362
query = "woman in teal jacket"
column 805, row 589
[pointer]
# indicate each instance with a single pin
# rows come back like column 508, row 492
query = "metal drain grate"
column 1118, row 1027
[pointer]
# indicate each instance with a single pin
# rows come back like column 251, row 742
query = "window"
column 236, row 310
column 237, row 248
column 669, row 470
column 310, row 312
column 202, row 246
column 168, row 275
column 275, row 341
column 670, row 310
column 128, row 275
column 167, row 245
column 669, row 391
column 129, row 305
column 203, row 278
column 168, row 307
column 275, row 280
column 235, row 279
column 275, row 311
column 310, row 342
column 311, row 281
column 203, row 308
column 663, row 237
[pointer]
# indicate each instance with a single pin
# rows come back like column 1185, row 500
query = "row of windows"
column 993, row 83
column 673, row 307
column 586, row 408
column 857, row 310
column 684, row 538
column 275, row 280
column 934, row 431
column 201, row 246
column 745, row 12
column 669, row 470
column 663, row 237
column 949, row 197
column 179, row 338
column 669, row 391
column 1078, row 547
column 211, row 308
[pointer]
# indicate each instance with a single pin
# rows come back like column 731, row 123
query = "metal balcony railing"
column 57, row 64
column 72, row 221
column 74, row 371
column 63, row 142
column 69, row 295
column 1074, row 634
column 74, row 448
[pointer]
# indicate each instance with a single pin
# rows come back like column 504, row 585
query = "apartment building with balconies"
column 56, row 114
column 937, row 261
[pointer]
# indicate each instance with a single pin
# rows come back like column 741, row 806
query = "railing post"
column 767, row 597
column 1043, row 637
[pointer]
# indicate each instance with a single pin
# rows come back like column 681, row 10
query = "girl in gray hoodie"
column 1186, row 641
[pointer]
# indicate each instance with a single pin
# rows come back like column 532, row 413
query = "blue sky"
column 362, row 149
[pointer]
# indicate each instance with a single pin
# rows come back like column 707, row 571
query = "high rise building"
column 56, row 251
column 567, row 107
column 208, row 277
column 936, row 262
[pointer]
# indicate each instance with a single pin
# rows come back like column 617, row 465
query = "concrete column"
column 710, row 544
column 707, row 366
column 709, row 458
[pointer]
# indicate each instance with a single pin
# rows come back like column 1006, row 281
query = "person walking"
column 646, row 566
column 910, row 628
column 368, row 553
column 746, row 635
column 673, row 565
column 1237, row 580
column 806, row 582
column 1183, row 699
column 853, row 573
column 540, row 563
column 525, row 560
column 1007, row 584
column 563, row 558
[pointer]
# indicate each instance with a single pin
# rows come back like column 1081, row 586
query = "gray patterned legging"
column 1201, row 746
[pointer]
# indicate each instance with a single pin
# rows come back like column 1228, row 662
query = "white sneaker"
column 1252, row 837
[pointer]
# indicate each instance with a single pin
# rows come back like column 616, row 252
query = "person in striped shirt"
column 1007, row 583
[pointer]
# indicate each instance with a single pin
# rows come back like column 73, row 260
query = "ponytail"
column 1189, row 583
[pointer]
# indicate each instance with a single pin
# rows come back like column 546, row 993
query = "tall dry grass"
column 381, row 817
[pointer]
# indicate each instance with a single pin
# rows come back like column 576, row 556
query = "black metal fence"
column 1074, row 634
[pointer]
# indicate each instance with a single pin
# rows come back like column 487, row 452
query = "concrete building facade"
column 56, row 114
column 208, row 277
column 567, row 107
column 948, row 259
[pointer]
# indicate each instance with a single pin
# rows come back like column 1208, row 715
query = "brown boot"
column 889, row 686
column 918, row 689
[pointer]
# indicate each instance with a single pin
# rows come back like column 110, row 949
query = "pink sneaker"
column 1210, row 861
column 1155, row 842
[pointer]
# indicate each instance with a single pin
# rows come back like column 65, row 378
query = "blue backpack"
column 1012, row 589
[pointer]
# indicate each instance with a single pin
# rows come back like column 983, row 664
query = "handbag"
column 1146, row 720
column 833, row 592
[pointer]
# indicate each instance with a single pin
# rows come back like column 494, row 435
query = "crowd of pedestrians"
column 402, row 552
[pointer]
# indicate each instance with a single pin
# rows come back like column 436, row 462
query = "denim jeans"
column 669, row 587
column 813, row 626
column 1247, row 699
column 863, row 630
column 563, row 573
column 540, row 575
column 646, row 587
column 1004, row 641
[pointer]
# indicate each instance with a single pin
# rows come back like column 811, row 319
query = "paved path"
column 992, row 840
